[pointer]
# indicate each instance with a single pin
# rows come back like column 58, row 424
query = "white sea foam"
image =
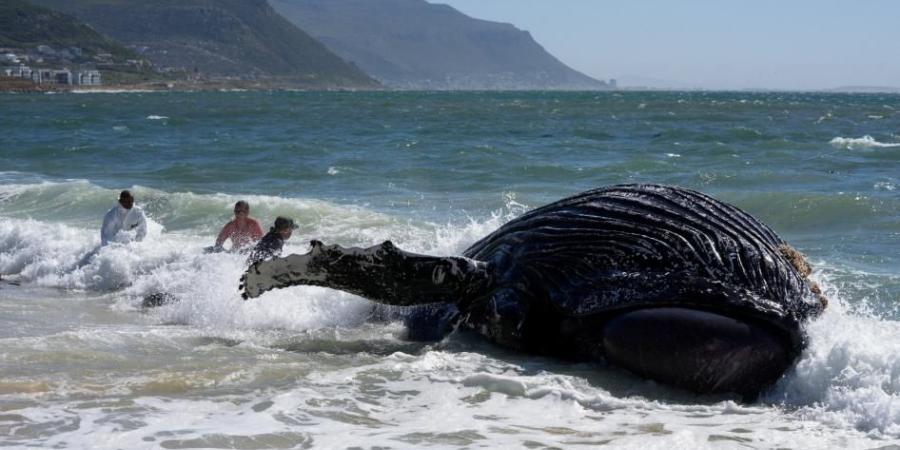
column 844, row 390
column 155, row 117
column 827, row 116
column 849, row 375
column 115, row 91
column 860, row 143
column 479, row 399
column 62, row 255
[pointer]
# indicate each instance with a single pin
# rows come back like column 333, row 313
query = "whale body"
column 666, row 282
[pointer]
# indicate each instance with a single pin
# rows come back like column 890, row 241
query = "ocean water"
column 82, row 366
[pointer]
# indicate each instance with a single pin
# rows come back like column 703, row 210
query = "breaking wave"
column 848, row 377
column 860, row 143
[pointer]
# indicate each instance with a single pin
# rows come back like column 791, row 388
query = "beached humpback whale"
column 668, row 283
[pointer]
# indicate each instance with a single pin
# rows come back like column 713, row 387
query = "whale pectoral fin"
column 383, row 273
column 697, row 350
column 277, row 273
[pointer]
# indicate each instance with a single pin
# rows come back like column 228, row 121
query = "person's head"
column 284, row 227
column 241, row 209
column 126, row 199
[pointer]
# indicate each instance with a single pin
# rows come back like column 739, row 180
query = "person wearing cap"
column 243, row 230
column 124, row 223
column 271, row 244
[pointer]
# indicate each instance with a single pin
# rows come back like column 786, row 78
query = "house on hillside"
column 50, row 76
column 89, row 77
column 20, row 71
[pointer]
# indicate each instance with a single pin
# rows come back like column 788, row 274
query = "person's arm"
column 266, row 248
column 109, row 229
column 226, row 232
column 257, row 254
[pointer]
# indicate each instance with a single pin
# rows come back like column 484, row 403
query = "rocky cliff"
column 418, row 45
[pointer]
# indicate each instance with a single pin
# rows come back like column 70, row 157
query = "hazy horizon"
column 801, row 45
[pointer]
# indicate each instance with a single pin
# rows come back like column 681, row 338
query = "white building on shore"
column 55, row 76
column 88, row 78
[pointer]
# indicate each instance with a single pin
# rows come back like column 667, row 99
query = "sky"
column 724, row 44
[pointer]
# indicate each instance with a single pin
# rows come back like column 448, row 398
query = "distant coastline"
column 867, row 90
column 19, row 85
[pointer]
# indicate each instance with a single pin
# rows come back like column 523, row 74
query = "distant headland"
column 59, row 45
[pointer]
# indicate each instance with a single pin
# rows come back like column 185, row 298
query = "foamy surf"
column 46, row 242
column 849, row 375
column 860, row 143
column 846, row 382
column 82, row 365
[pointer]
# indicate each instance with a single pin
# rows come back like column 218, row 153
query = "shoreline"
column 23, row 86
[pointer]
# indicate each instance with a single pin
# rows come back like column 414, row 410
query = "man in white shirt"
column 124, row 222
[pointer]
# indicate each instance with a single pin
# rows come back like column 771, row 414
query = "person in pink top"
column 243, row 231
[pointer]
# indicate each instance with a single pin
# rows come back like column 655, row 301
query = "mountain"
column 418, row 45
column 26, row 26
column 233, row 39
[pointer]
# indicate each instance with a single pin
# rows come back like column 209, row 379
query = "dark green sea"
column 81, row 366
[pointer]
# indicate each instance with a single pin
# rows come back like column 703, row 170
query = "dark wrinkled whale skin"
column 666, row 282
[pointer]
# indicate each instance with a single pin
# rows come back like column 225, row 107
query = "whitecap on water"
column 860, row 143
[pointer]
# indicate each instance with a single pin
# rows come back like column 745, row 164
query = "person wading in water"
column 243, row 231
column 271, row 244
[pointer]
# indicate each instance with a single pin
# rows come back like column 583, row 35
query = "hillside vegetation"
column 240, row 39
column 23, row 25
